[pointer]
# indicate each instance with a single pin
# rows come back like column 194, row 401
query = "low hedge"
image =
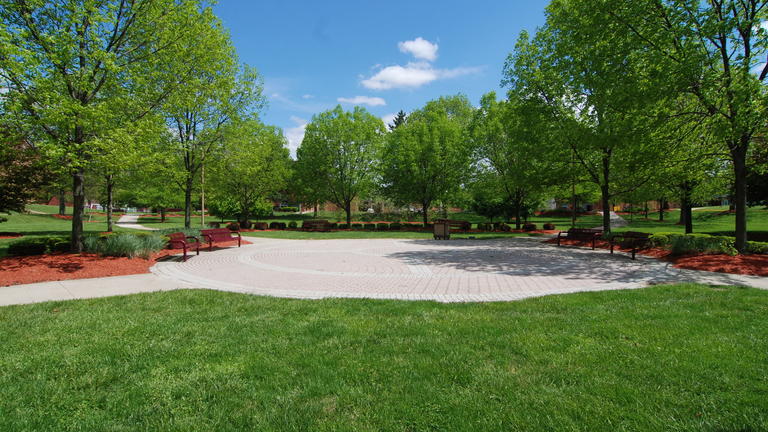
column 292, row 224
column 343, row 226
column 39, row 245
column 395, row 226
column 288, row 209
column 357, row 226
column 277, row 225
column 382, row 226
column 370, row 227
column 680, row 244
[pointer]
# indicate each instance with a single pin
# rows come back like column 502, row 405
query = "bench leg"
column 633, row 253
column 184, row 247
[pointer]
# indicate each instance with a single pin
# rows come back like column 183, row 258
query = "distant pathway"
column 616, row 221
column 132, row 222
column 444, row 271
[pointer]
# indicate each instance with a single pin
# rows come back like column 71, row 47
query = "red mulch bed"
column 65, row 217
column 10, row 235
column 755, row 265
column 60, row 266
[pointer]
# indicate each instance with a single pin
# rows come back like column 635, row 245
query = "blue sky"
column 385, row 56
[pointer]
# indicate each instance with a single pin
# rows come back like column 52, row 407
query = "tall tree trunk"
column 348, row 209
column 78, row 206
column 606, row 204
column 110, row 187
column 188, row 202
column 686, row 214
column 425, row 213
column 661, row 209
column 315, row 214
column 162, row 214
column 573, row 205
column 62, row 202
column 517, row 213
column 739, row 156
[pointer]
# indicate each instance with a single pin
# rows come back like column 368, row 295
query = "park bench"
column 460, row 225
column 631, row 240
column 589, row 234
column 178, row 240
column 220, row 235
column 316, row 225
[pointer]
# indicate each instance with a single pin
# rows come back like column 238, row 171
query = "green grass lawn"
column 685, row 357
column 31, row 225
column 709, row 221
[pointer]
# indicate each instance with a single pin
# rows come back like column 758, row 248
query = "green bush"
column 370, row 226
column 754, row 247
column 395, row 226
column 681, row 244
column 288, row 209
column 28, row 246
column 343, row 226
column 292, row 224
column 357, row 226
column 382, row 226
column 39, row 245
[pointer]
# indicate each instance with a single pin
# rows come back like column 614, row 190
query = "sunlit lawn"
column 685, row 357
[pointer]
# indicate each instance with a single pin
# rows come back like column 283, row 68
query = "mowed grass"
column 32, row 225
column 712, row 220
column 673, row 358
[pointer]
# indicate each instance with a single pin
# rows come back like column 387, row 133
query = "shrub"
column 370, row 226
column 395, row 226
column 343, row 226
column 28, row 246
column 701, row 243
column 529, row 227
column 233, row 226
column 125, row 244
column 277, row 225
column 504, row 227
column 292, row 224
column 334, row 225
column 288, row 209
column 260, row 225
column 357, row 226
column 754, row 247
column 382, row 226
column 549, row 226
column 246, row 224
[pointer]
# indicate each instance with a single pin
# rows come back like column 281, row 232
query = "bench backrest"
column 177, row 237
column 217, row 233
column 585, row 231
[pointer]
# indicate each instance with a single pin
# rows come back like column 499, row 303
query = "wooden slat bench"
column 316, row 225
column 633, row 240
column 178, row 240
column 589, row 234
column 460, row 225
column 220, row 235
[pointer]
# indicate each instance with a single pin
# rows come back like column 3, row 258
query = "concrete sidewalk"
column 132, row 222
column 85, row 288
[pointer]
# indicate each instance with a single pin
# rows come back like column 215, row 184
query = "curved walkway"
column 446, row 271
column 132, row 222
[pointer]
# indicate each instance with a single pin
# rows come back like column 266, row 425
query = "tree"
column 74, row 67
column 253, row 166
column 340, row 150
column 715, row 52
column 599, row 99
column 513, row 141
column 399, row 120
column 428, row 157
column 22, row 173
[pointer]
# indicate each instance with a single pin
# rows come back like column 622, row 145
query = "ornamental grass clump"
column 125, row 244
column 681, row 244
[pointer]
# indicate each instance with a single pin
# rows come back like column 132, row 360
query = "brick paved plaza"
column 449, row 271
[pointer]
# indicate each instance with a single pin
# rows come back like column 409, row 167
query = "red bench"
column 589, row 234
column 220, row 235
column 178, row 240
column 321, row 225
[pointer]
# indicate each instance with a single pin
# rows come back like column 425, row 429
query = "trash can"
column 442, row 230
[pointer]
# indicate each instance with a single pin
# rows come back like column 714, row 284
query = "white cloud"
column 308, row 96
column 363, row 100
column 419, row 48
column 413, row 75
column 295, row 134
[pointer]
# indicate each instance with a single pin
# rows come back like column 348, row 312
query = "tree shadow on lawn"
column 525, row 257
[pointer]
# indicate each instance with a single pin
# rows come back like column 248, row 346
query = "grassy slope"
column 680, row 357
column 709, row 220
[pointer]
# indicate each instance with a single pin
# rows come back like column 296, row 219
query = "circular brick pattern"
column 459, row 270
